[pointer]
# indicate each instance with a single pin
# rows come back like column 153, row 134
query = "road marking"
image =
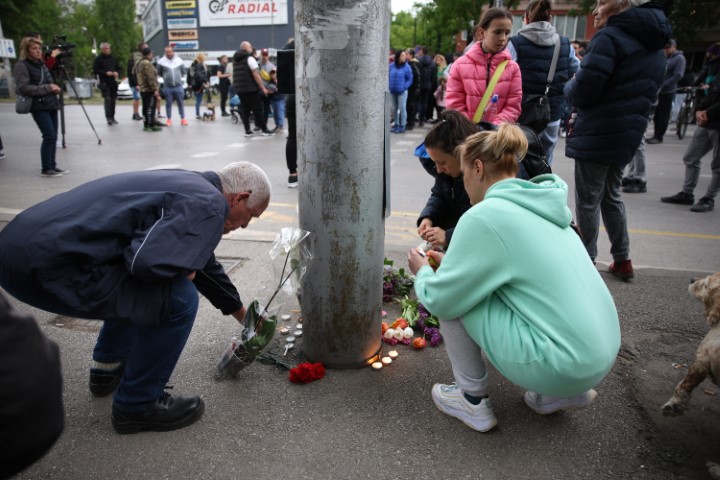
column 674, row 234
column 404, row 143
column 237, row 145
column 205, row 154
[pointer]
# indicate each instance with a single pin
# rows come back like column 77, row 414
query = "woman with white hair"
column 618, row 82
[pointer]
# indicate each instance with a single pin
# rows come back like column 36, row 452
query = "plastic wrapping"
column 290, row 256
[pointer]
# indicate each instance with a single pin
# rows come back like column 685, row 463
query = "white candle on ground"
column 393, row 354
column 386, row 360
column 377, row 366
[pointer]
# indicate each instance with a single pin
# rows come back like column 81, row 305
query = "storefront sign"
column 178, row 4
column 152, row 20
column 182, row 34
column 186, row 12
column 181, row 23
column 190, row 45
column 235, row 13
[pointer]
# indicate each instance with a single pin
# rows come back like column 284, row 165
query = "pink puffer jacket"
column 469, row 78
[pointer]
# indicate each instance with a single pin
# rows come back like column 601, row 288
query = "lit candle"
column 393, row 354
column 284, row 330
column 286, row 317
column 386, row 360
column 297, row 333
column 299, row 326
column 377, row 366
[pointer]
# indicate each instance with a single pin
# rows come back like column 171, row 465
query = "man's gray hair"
column 246, row 177
column 104, row 44
column 637, row 3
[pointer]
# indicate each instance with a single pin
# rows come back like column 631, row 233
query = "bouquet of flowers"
column 259, row 322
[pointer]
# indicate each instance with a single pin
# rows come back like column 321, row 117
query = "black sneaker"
column 115, row 122
column 136, row 117
column 225, row 114
column 626, row 181
column 110, row 121
column 166, row 414
column 257, row 129
column 653, row 140
column 50, row 174
column 681, row 198
column 292, row 181
column 249, row 134
column 104, row 382
column 266, row 133
column 61, row 171
column 637, row 186
column 703, row 205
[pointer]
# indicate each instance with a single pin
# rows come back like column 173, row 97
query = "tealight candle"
column 299, row 326
column 393, row 354
column 386, row 360
column 297, row 333
column 377, row 366
column 286, row 317
column 284, row 330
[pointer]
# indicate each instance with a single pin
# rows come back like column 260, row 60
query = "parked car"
column 125, row 92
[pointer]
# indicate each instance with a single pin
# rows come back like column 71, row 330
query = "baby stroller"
column 235, row 108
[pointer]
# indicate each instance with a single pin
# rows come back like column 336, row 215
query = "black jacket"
column 428, row 72
column 618, row 82
column 110, row 249
column 31, row 406
column 710, row 100
column 33, row 79
column 448, row 198
column 104, row 64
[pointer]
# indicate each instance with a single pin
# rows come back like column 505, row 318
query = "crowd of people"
column 495, row 234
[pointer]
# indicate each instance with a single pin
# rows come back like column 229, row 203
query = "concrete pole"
column 8, row 71
column 341, row 74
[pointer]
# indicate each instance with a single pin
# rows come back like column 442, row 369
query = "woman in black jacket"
column 33, row 79
column 448, row 200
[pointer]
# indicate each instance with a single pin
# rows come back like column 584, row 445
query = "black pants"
column 291, row 144
column 250, row 102
column 110, row 97
column 224, row 87
column 423, row 105
column 149, row 103
column 411, row 108
column 662, row 114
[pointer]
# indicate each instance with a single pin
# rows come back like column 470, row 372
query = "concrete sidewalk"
column 357, row 424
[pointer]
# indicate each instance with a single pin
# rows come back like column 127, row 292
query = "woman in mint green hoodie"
column 516, row 282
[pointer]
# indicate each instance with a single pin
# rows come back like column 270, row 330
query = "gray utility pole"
column 341, row 74
column 6, row 67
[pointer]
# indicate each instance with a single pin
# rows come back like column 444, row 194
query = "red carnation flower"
column 307, row 372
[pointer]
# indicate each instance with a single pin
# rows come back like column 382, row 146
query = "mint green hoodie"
column 527, row 291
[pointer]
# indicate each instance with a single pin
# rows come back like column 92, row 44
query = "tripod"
column 63, row 76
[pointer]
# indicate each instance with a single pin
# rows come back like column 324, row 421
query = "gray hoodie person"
column 172, row 70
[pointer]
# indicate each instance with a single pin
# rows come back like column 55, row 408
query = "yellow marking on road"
column 675, row 234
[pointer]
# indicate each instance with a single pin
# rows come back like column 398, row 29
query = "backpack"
column 534, row 162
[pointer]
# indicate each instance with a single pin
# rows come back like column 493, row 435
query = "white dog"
column 707, row 359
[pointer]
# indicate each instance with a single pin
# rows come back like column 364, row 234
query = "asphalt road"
column 358, row 424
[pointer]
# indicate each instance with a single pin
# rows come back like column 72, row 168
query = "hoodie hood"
column 540, row 33
column 171, row 62
column 647, row 23
column 544, row 195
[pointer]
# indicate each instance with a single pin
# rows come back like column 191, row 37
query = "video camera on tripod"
column 60, row 43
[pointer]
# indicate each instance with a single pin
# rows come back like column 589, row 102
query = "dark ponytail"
column 451, row 131
column 538, row 11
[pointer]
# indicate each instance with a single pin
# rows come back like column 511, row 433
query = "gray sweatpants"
column 702, row 142
column 465, row 357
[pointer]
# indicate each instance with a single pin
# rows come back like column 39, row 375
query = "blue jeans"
column 174, row 94
column 47, row 122
column 150, row 353
column 597, row 192
column 198, row 102
column 278, row 108
column 399, row 104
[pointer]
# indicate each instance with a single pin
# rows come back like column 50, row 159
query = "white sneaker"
column 546, row 405
column 450, row 400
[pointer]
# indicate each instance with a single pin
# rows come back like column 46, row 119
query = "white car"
column 125, row 92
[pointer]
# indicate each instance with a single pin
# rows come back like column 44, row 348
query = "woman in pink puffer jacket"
column 471, row 73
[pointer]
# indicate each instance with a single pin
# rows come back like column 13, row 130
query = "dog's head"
column 707, row 290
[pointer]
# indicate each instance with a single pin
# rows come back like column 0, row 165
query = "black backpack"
column 534, row 161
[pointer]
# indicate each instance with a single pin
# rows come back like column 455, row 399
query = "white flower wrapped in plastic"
column 260, row 322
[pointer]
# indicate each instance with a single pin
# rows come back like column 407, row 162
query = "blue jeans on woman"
column 399, row 103
column 150, row 352
column 198, row 102
column 47, row 122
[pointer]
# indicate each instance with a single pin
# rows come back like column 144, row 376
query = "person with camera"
column 106, row 67
column 149, row 89
column 33, row 79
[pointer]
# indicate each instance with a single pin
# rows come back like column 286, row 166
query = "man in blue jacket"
column 134, row 249
column 618, row 81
